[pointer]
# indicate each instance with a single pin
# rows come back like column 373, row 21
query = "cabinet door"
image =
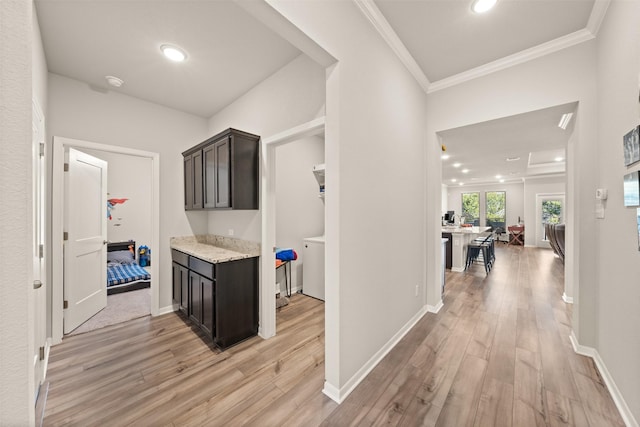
column 188, row 182
column 236, row 301
column 208, row 307
column 197, row 180
column 184, row 290
column 222, row 170
column 208, row 182
column 195, row 298
column 177, row 282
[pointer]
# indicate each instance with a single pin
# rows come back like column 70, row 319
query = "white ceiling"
column 446, row 38
column 483, row 148
column 229, row 51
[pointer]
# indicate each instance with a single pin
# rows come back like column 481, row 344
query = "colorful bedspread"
column 119, row 274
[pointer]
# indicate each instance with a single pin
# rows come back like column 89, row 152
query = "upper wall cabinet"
column 222, row 172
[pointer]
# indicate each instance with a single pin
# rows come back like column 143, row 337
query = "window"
column 496, row 205
column 471, row 208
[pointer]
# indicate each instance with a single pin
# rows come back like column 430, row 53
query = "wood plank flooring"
column 497, row 354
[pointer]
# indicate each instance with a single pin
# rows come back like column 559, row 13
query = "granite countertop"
column 464, row 230
column 216, row 249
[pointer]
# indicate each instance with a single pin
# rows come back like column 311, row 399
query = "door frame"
column 57, row 223
column 268, row 146
column 539, row 230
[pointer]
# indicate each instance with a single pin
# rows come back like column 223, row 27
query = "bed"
column 123, row 272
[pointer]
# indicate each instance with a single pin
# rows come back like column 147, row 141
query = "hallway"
column 497, row 354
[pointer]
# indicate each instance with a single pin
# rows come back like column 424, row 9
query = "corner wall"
column 618, row 297
column 76, row 111
column 17, row 389
column 294, row 95
column 375, row 229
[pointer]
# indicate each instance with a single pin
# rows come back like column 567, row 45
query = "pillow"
column 120, row 257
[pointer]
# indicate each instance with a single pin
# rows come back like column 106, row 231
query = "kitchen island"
column 460, row 238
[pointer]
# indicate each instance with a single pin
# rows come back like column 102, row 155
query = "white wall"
column 299, row 210
column 129, row 177
column 374, row 147
column 533, row 187
column 515, row 199
column 16, row 270
column 77, row 111
column 618, row 298
column 292, row 96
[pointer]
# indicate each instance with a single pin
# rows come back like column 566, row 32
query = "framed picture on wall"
column 638, row 222
column 632, row 189
column 631, row 144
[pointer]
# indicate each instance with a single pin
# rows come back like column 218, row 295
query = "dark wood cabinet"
column 222, row 172
column 448, row 250
column 180, row 279
column 181, row 286
column 222, row 299
column 193, row 181
column 195, row 297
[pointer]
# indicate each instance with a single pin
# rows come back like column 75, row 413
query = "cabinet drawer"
column 201, row 267
column 180, row 257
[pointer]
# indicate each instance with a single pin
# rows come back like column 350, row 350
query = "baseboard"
column 166, row 310
column 332, row 392
column 436, row 308
column 567, row 299
column 338, row 395
column 457, row 269
column 617, row 397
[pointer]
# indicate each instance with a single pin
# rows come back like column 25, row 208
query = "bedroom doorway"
column 148, row 175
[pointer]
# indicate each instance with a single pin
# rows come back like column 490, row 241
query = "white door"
column 39, row 288
column 85, row 255
column 549, row 210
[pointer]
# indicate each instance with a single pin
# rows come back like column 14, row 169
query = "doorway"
column 127, row 228
column 550, row 209
column 58, row 211
column 268, row 202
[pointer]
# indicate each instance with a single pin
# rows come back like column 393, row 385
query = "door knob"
column 37, row 284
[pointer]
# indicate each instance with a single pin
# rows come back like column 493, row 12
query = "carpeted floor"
column 120, row 308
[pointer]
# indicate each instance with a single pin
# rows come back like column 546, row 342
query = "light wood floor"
column 497, row 354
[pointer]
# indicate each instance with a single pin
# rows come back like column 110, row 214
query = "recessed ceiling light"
column 465, row 170
column 482, row 6
column 173, row 53
column 114, row 81
column 498, row 176
column 456, row 165
column 512, row 159
column 502, row 180
column 558, row 159
column 453, row 180
column 445, row 156
column 564, row 120
column 462, row 183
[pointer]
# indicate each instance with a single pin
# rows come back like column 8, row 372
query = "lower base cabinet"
column 222, row 298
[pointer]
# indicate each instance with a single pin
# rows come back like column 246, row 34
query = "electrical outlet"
column 416, row 290
column 230, row 232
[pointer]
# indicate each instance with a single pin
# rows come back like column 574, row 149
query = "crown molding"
column 380, row 23
column 382, row 26
column 543, row 49
column 597, row 16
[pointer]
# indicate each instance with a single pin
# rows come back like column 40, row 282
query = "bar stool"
column 481, row 246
